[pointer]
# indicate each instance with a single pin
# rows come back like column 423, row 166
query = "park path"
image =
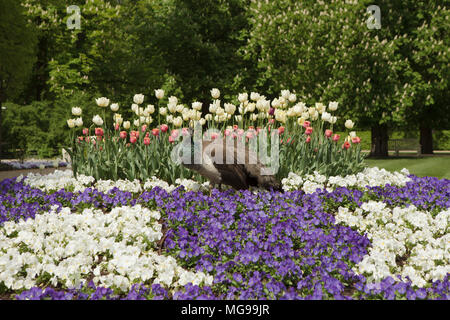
column 8, row 174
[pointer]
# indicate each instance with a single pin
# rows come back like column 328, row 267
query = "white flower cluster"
column 60, row 179
column 57, row 180
column 66, row 248
column 419, row 241
column 368, row 177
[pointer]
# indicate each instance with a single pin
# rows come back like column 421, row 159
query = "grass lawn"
column 435, row 166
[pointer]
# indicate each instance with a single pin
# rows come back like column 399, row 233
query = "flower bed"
column 32, row 164
column 374, row 235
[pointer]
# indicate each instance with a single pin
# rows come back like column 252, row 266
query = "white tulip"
column 179, row 108
column 202, row 121
column 292, row 97
column 79, row 122
column 173, row 100
column 230, row 108
column 126, row 125
column 333, row 105
column 333, row 120
column 169, row 118
column 163, row 111
column 76, row 111
column 213, row 108
column 177, row 122
column 250, row 107
column 114, row 107
column 326, row 116
column 238, row 118
column 285, row 94
column 159, row 93
column 243, row 97
column 254, row 96
column 134, row 108
column 71, row 123
column 97, row 120
column 172, row 107
column 151, row 108
column 349, row 124
column 352, row 134
column 138, row 98
column 275, row 103
column 208, row 117
column 136, row 123
column 320, row 107
column 197, row 105
column 215, row 93
column 102, row 102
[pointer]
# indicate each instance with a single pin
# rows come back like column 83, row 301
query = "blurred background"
column 388, row 70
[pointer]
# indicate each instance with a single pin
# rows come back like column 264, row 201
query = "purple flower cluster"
column 17, row 165
column 268, row 245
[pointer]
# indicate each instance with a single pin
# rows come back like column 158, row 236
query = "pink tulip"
column 134, row 133
column 336, row 137
column 146, row 141
column 99, row 132
column 144, row 127
column 214, row 135
column 133, row 139
column 155, row 132
column 328, row 133
column 308, row 130
column 171, row 139
column 356, row 140
column 174, row 134
column 185, row 132
column 281, row 130
column 306, row 124
column 227, row 132
column 85, row 131
column 249, row 135
column 117, row 127
column 123, row 134
column 308, row 139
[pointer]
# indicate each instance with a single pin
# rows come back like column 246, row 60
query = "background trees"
column 392, row 77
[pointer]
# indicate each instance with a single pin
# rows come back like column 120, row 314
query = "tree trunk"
column 426, row 140
column 379, row 141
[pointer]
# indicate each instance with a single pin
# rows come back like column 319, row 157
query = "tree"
column 17, row 51
column 327, row 52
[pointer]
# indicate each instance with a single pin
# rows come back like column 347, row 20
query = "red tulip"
column 346, row 145
column 164, row 127
column 99, row 132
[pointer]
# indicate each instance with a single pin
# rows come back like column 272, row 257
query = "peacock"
column 238, row 167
